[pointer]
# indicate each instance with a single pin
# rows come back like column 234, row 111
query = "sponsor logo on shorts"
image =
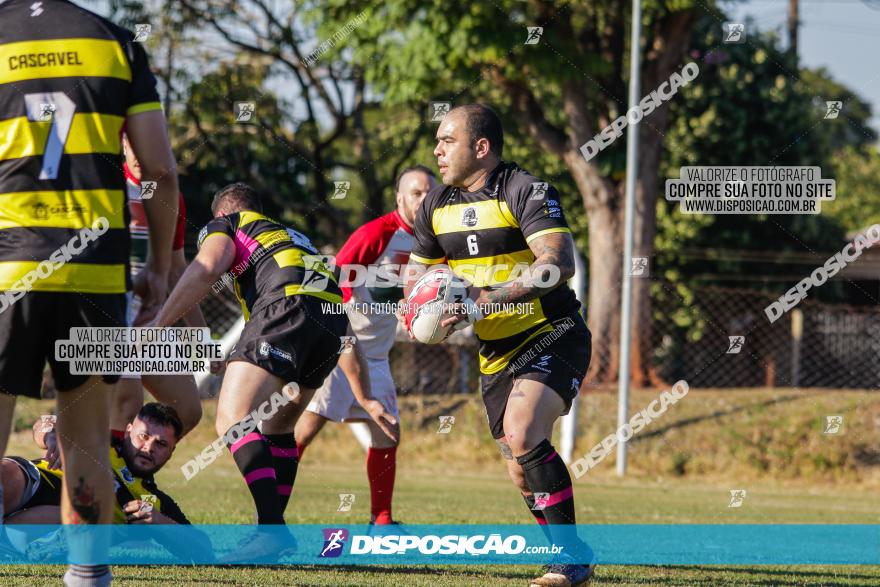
column 543, row 364
column 267, row 350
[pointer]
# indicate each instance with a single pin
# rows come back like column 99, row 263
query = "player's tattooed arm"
column 553, row 265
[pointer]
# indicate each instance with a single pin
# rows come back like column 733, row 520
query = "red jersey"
column 138, row 227
column 386, row 240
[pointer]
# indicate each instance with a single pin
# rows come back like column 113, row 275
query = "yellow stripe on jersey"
column 90, row 132
column 289, row 258
column 246, row 217
column 74, row 209
column 145, row 107
column 27, row 60
column 271, row 237
column 135, row 487
column 488, row 214
column 483, row 271
column 295, row 289
column 93, row 277
column 503, row 324
column 533, row 236
column 425, row 260
column 498, row 363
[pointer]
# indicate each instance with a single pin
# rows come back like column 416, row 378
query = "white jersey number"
column 57, row 108
column 473, row 249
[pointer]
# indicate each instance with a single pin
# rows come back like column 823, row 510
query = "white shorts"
column 335, row 400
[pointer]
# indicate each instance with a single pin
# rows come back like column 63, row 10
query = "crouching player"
column 385, row 241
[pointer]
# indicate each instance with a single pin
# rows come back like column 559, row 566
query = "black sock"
column 285, row 459
column 254, row 459
column 546, row 473
column 538, row 514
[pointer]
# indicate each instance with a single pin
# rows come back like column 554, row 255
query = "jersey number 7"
column 57, row 108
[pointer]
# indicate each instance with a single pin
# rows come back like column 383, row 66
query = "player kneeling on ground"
column 33, row 487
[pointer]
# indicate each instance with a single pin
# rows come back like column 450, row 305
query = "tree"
column 561, row 91
column 752, row 105
column 331, row 130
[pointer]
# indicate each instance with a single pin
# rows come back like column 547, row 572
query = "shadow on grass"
column 713, row 416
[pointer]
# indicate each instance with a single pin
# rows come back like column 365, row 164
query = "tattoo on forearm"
column 86, row 509
column 535, row 286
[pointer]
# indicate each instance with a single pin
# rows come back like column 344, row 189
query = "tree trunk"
column 606, row 244
column 642, row 372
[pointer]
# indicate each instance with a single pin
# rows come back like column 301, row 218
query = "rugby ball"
column 430, row 302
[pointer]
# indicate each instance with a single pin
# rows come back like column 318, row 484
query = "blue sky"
column 842, row 35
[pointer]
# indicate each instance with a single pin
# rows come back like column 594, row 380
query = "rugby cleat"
column 394, row 527
column 261, row 548
column 564, row 575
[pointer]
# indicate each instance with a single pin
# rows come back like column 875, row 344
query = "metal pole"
column 797, row 333
column 632, row 167
column 568, row 426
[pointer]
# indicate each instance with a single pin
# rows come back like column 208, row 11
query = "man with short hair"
column 385, row 242
column 70, row 83
column 33, row 487
column 490, row 213
column 290, row 343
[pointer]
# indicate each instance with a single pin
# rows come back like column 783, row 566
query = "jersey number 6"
column 473, row 249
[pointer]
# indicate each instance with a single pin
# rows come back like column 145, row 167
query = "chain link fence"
column 728, row 341
column 720, row 338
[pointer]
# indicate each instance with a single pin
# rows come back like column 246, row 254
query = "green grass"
column 458, row 478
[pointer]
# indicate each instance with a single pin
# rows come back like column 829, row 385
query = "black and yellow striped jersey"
column 127, row 487
column 484, row 237
column 272, row 261
column 68, row 79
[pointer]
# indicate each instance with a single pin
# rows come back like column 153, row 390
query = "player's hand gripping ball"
column 436, row 296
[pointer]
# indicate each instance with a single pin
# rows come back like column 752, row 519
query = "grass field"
column 457, row 478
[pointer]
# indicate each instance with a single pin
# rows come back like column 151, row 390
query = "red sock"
column 381, row 467
column 117, row 434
